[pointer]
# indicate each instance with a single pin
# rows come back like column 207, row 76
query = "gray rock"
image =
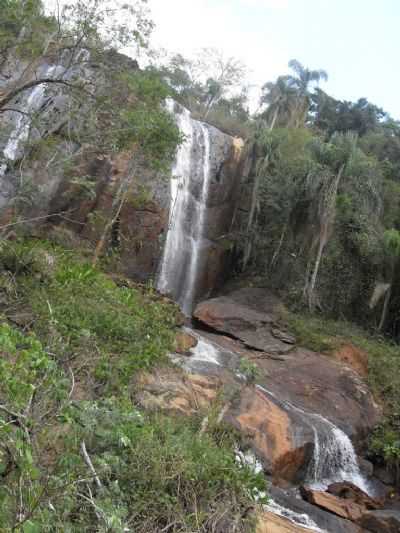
column 385, row 521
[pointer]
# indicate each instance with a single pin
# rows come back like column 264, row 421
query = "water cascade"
column 334, row 458
column 190, row 184
column 32, row 104
column 299, row 519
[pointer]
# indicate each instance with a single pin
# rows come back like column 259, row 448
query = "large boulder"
column 251, row 316
column 270, row 430
column 311, row 381
column 173, row 390
column 341, row 507
column 349, row 491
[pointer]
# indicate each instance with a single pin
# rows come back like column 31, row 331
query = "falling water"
column 180, row 265
column 204, row 351
column 23, row 122
column 299, row 519
column 334, row 458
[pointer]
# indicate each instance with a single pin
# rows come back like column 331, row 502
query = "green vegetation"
column 77, row 311
column 212, row 86
column 249, row 370
column 75, row 452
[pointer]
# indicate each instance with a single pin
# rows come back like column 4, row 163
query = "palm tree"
column 281, row 99
column 301, row 81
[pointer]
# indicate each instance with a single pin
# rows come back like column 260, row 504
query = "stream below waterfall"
column 333, row 459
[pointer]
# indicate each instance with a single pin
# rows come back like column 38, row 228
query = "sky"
column 355, row 41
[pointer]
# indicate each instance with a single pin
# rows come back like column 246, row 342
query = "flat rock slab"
column 339, row 506
column 324, row 520
column 272, row 523
column 250, row 315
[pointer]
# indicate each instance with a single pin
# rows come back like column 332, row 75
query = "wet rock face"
column 269, row 429
column 311, row 381
column 324, row 520
column 138, row 236
column 204, row 184
column 305, row 406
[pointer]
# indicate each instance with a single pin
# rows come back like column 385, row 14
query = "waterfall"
column 334, row 458
column 32, row 104
column 299, row 519
column 181, row 261
column 204, row 351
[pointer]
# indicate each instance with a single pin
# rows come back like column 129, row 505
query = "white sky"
column 185, row 26
column 356, row 41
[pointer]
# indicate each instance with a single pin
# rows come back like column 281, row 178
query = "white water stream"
column 334, row 458
column 23, row 122
column 180, row 266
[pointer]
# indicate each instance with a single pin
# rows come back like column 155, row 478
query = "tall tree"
column 205, row 79
column 333, row 158
column 280, row 98
column 302, row 80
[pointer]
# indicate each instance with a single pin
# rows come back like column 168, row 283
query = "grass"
column 81, row 314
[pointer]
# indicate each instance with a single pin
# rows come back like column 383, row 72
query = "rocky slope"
column 305, row 416
column 51, row 174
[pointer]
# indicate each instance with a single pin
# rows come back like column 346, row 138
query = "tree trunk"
column 327, row 219
column 120, row 199
column 311, row 289
column 102, row 241
column 254, row 198
column 385, row 308
column 274, row 118
column 388, row 295
column 277, row 251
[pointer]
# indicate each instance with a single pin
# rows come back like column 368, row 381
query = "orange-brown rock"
column 173, row 390
column 269, row 430
column 344, row 508
column 272, row 523
column 349, row 491
column 309, row 380
column 184, row 342
column 353, row 357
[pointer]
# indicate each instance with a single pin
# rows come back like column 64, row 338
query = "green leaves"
column 145, row 123
column 391, row 239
